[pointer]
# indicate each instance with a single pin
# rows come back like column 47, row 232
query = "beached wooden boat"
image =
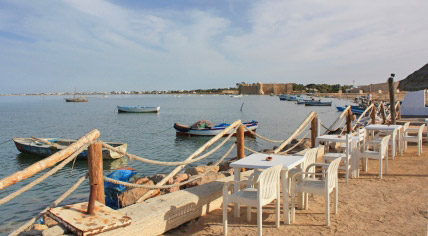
column 317, row 103
column 48, row 146
column 203, row 128
column 138, row 109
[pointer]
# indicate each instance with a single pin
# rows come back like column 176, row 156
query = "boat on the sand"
column 48, row 146
column 138, row 109
column 205, row 128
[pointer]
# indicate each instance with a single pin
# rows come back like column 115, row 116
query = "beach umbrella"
column 418, row 80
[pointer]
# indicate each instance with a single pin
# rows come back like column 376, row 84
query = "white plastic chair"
column 416, row 139
column 310, row 157
column 381, row 154
column 267, row 187
column 346, row 156
column 323, row 186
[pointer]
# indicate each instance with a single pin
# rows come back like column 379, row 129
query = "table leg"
column 237, row 179
column 285, row 190
column 393, row 144
column 300, row 195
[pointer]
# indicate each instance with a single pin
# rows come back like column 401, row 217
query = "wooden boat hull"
column 318, row 104
column 76, row 100
column 33, row 147
column 188, row 131
column 129, row 109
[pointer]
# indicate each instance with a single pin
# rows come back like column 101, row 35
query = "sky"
column 142, row 45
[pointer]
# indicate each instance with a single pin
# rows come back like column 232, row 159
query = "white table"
column 334, row 138
column 258, row 161
column 391, row 129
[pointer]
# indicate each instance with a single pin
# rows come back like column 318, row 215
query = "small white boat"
column 138, row 109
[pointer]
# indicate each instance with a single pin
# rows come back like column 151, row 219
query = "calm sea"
column 148, row 135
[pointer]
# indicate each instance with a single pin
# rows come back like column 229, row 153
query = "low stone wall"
column 160, row 214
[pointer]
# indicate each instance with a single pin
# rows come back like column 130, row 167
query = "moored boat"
column 204, row 128
column 138, row 109
column 317, row 103
column 78, row 99
column 48, row 146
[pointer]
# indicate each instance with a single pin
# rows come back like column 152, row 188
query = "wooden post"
column 392, row 98
column 382, row 111
column 399, row 110
column 314, row 129
column 373, row 114
column 349, row 122
column 96, row 180
column 240, row 143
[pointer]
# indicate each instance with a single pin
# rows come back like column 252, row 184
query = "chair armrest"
column 323, row 165
column 227, row 185
column 306, row 173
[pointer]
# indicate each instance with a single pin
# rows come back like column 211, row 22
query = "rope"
column 195, row 177
column 43, row 177
column 295, row 145
column 160, row 131
column 5, row 142
column 251, row 150
column 54, row 204
column 164, row 163
column 266, row 139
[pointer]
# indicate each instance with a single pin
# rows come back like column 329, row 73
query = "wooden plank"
column 49, row 161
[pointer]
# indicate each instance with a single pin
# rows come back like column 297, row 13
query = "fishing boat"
column 205, row 128
column 48, row 146
column 355, row 109
column 138, row 109
column 317, row 103
column 284, row 97
column 76, row 99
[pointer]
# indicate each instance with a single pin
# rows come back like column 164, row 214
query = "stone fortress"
column 260, row 89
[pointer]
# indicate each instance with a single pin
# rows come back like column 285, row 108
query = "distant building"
column 259, row 88
column 373, row 88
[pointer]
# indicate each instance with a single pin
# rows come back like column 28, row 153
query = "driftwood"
column 49, row 161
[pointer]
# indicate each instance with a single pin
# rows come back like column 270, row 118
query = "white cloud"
column 98, row 43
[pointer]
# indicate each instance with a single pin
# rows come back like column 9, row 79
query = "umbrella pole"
column 392, row 98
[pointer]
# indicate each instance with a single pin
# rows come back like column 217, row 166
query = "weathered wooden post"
column 349, row 122
column 96, row 180
column 314, row 128
column 373, row 114
column 399, row 110
column 382, row 111
column 392, row 98
column 240, row 145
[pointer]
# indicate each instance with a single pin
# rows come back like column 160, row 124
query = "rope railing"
column 44, row 176
column 54, row 204
column 299, row 129
column 264, row 138
column 173, row 163
column 251, row 150
column 341, row 116
column 153, row 187
column 297, row 144
column 368, row 109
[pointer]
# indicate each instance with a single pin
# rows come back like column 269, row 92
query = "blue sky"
column 100, row 45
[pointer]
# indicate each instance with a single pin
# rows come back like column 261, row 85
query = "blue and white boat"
column 204, row 128
column 137, row 109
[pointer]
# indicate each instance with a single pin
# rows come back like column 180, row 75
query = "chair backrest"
column 362, row 134
column 310, row 157
column 268, row 182
column 332, row 172
column 384, row 146
column 405, row 127
column 420, row 130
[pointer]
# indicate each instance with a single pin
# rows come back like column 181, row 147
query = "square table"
column 389, row 128
column 334, row 138
column 258, row 161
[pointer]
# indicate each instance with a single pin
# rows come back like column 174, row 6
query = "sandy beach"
column 395, row 205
